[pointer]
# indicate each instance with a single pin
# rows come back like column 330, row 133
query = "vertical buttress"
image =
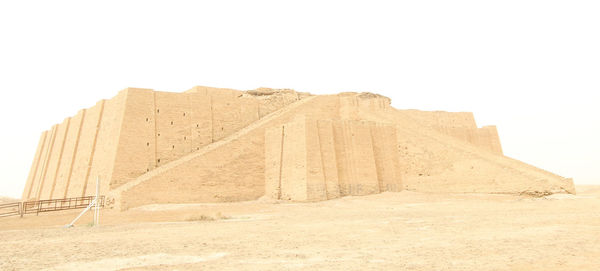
column 62, row 148
column 74, row 153
column 323, row 169
column 89, row 168
column 46, row 162
column 34, row 166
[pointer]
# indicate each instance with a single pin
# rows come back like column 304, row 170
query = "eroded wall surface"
column 311, row 160
column 137, row 131
column 353, row 105
column 435, row 162
column 76, row 151
column 460, row 125
column 220, row 145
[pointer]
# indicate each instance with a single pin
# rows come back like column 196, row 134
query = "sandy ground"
column 389, row 231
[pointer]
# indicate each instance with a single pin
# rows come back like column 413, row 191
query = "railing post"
column 97, row 209
column 21, row 209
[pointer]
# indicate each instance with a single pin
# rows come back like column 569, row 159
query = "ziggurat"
column 220, row 145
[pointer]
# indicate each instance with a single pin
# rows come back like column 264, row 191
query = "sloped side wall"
column 85, row 151
column 432, row 161
column 69, row 152
column 487, row 137
column 327, row 159
column 33, row 171
column 460, row 125
column 435, row 162
column 73, row 153
column 47, row 187
column 44, row 160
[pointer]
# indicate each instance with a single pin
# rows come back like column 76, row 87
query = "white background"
column 530, row 67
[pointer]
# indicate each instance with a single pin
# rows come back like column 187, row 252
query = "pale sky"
column 530, row 67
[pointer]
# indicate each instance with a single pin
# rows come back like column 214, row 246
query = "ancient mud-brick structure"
column 311, row 159
column 219, row 145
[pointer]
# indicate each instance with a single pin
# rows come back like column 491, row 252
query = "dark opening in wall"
column 197, row 125
column 171, row 123
column 157, row 110
column 158, row 160
column 173, row 146
column 147, row 169
column 146, row 119
column 158, row 134
column 197, row 148
column 185, row 138
column 147, row 143
column 184, row 114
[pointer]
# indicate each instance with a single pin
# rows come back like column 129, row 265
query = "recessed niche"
column 158, row 160
column 173, row 146
column 184, row 114
column 171, row 123
column 157, row 110
column 146, row 119
column 147, row 143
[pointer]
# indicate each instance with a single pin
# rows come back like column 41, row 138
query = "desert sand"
column 388, row 231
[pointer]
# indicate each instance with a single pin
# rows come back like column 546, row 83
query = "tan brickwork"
column 67, row 160
column 218, row 145
column 135, row 132
column 365, row 163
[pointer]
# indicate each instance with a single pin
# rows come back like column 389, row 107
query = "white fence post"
column 95, row 203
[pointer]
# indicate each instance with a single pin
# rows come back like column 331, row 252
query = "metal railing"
column 10, row 209
column 49, row 205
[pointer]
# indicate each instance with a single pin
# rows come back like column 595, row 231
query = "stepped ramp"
column 231, row 169
column 435, row 162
